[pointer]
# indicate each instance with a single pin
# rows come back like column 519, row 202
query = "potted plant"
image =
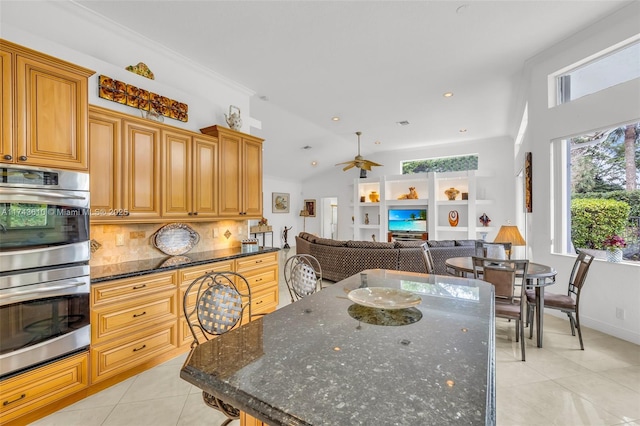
column 614, row 245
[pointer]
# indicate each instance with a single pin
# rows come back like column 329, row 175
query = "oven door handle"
column 5, row 299
column 52, row 195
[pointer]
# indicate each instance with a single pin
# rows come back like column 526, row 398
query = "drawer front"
column 261, row 278
column 125, row 289
column 187, row 275
column 123, row 354
column 34, row 389
column 119, row 319
column 259, row 260
column 264, row 302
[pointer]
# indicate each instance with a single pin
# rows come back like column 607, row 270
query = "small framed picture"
column 310, row 206
column 279, row 202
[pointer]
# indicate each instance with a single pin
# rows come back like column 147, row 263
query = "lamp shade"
column 509, row 234
column 304, row 213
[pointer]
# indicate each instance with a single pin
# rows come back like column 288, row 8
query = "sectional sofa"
column 341, row 259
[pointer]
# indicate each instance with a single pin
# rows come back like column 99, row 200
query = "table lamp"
column 304, row 213
column 509, row 234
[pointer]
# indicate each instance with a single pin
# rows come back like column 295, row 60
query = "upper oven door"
column 41, row 226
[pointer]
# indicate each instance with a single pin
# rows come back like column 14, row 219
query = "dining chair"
column 428, row 258
column 569, row 303
column 485, row 249
column 214, row 304
column 502, row 273
column 303, row 276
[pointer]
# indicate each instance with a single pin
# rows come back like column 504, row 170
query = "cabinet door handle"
column 7, row 402
column 138, row 287
column 8, row 157
column 259, row 302
column 195, row 213
column 140, row 348
column 22, row 158
column 190, row 213
column 139, row 315
column 259, row 261
column 258, row 280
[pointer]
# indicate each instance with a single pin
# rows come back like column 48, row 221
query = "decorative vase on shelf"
column 614, row 255
column 374, row 196
column 451, row 193
column 233, row 119
column 366, row 218
column 453, row 218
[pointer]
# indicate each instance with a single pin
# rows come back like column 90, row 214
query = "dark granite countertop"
column 150, row 266
column 324, row 361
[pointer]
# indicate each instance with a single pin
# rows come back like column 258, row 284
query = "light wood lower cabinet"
column 261, row 272
column 132, row 321
column 42, row 386
column 247, row 420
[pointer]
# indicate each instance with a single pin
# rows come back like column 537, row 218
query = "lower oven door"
column 43, row 320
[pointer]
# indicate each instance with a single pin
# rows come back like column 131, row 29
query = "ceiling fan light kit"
column 359, row 162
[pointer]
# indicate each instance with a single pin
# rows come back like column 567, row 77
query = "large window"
column 444, row 164
column 602, row 195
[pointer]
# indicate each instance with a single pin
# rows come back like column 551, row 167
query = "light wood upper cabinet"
column 105, row 136
column 189, row 175
column 6, row 119
column 124, row 168
column 141, row 170
column 240, row 173
column 46, row 123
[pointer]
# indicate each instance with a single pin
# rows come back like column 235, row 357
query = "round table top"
column 535, row 270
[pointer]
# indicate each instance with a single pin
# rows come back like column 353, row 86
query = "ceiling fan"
column 358, row 161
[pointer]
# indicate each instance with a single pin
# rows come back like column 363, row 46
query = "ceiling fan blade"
column 371, row 163
column 346, row 162
column 365, row 166
column 348, row 167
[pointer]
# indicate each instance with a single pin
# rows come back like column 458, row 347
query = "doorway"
column 329, row 217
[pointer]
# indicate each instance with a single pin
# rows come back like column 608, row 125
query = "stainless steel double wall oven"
column 44, row 266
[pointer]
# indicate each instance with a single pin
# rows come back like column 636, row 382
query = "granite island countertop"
column 320, row 361
column 167, row 263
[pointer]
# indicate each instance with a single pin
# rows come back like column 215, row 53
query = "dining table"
column 538, row 276
column 381, row 347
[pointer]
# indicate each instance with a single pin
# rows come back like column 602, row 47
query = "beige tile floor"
column 558, row 385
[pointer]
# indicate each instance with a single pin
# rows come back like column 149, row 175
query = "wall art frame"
column 310, row 207
column 279, row 202
column 528, row 178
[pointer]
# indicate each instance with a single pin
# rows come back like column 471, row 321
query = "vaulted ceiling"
column 373, row 64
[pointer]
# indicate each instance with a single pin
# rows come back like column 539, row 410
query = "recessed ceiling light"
column 314, row 163
column 462, row 130
column 402, row 123
column 447, row 94
column 336, row 118
column 306, row 147
column 377, row 142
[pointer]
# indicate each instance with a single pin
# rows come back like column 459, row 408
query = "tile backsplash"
column 136, row 240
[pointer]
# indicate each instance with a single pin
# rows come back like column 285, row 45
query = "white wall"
column 608, row 286
column 278, row 221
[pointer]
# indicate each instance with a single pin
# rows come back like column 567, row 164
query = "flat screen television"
column 407, row 220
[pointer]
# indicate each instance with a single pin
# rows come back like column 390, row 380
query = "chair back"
column 428, row 258
column 502, row 274
column 303, row 276
column 579, row 273
column 222, row 301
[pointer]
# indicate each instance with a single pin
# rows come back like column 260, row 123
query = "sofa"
column 341, row 259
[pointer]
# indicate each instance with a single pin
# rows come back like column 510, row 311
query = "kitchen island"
column 325, row 360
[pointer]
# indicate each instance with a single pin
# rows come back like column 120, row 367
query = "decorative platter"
column 175, row 239
column 384, row 298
